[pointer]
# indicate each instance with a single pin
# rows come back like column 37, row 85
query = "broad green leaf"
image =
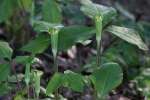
column 38, row 45
column 68, row 36
column 51, row 11
column 129, row 35
column 73, row 81
column 54, row 83
column 27, row 4
column 23, row 59
column 6, row 9
column 92, row 10
column 124, row 53
column 42, row 26
column 4, row 71
column 5, row 50
column 108, row 77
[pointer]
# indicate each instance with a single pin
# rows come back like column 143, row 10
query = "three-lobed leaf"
column 129, row 35
column 92, row 10
column 68, row 36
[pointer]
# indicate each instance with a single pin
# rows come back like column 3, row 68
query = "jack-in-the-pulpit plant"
column 37, row 79
column 54, row 43
column 102, row 76
column 98, row 25
column 52, row 31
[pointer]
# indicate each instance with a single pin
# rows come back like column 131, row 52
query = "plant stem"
column 37, row 97
column 98, row 26
column 98, row 59
column 55, row 63
column 95, row 94
column 54, row 43
column 56, row 70
column 56, row 95
column 34, row 93
column 28, row 90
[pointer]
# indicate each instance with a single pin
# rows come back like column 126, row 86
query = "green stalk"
column 54, row 43
column 28, row 90
column 27, row 77
column 98, row 25
column 37, row 77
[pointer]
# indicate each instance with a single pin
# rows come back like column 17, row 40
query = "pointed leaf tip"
column 129, row 35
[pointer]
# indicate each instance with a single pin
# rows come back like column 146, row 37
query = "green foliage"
column 143, row 82
column 69, row 79
column 6, row 9
column 37, row 45
column 42, row 26
column 128, row 35
column 107, row 78
column 49, row 25
column 4, row 88
column 12, row 78
column 26, row 4
column 51, row 11
column 68, row 36
column 121, row 52
column 5, row 50
column 4, row 71
column 74, row 81
column 92, row 10
column 23, row 59
column 54, row 83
